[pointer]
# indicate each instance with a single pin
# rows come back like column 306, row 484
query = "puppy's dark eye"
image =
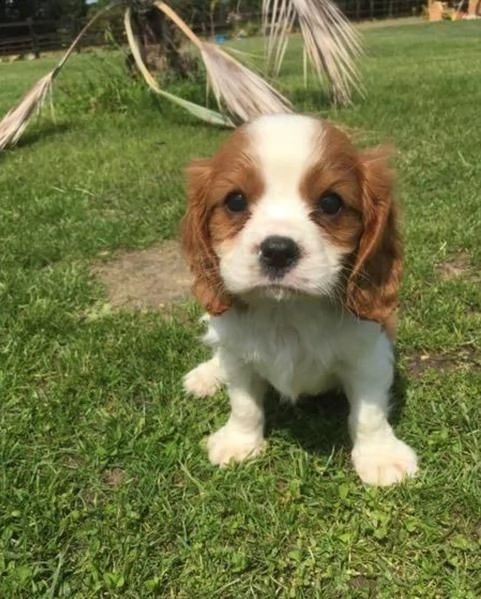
column 330, row 203
column 236, row 202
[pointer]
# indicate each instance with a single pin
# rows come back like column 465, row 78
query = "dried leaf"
column 240, row 90
column 330, row 42
column 200, row 112
column 16, row 120
column 244, row 93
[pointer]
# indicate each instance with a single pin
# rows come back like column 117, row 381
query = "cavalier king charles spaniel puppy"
column 292, row 238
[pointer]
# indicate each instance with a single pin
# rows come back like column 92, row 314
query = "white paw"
column 227, row 445
column 204, row 380
column 384, row 461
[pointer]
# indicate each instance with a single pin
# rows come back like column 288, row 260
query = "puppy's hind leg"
column 205, row 379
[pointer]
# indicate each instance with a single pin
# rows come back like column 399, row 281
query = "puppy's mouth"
column 277, row 291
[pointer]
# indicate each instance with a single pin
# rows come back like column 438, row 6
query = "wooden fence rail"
column 32, row 37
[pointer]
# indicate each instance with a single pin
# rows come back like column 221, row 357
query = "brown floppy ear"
column 207, row 287
column 373, row 285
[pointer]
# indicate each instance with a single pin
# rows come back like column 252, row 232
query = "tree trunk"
column 159, row 44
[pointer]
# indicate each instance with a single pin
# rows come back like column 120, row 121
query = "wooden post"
column 76, row 30
column 35, row 48
column 435, row 11
column 371, row 9
column 474, row 7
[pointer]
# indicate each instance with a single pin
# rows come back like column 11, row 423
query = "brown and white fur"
column 300, row 291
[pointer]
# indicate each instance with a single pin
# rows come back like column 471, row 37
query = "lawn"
column 106, row 490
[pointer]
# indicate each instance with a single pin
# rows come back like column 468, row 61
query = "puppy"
column 291, row 235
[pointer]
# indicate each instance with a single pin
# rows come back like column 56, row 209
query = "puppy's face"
column 288, row 205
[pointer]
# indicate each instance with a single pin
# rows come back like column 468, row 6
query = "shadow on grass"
column 310, row 99
column 320, row 423
column 30, row 138
column 43, row 132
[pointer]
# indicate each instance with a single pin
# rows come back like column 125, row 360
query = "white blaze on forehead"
column 286, row 146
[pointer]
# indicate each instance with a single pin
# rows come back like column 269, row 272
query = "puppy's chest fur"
column 300, row 348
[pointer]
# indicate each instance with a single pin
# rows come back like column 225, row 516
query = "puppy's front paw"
column 384, row 461
column 204, row 380
column 227, row 445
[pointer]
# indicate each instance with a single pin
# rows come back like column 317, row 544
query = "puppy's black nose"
column 278, row 254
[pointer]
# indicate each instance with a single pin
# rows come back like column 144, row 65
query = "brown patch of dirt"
column 362, row 583
column 153, row 278
column 455, row 267
column 465, row 358
column 114, row 477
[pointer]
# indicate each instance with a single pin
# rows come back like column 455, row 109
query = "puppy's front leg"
column 379, row 457
column 243, row 434
column 205, row 379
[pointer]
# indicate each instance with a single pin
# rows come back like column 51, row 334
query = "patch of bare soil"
column 466, row 358
column 360, row 583
column 139, row 279
column 114, row 477
column 455, row 267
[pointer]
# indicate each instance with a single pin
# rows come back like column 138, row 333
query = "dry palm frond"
column 244, row 93
column 201, row 112
column 16, row 120
column 277, row 19
column 14, row 123
column 330, row 42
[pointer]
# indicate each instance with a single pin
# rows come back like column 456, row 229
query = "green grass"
column 105, row 489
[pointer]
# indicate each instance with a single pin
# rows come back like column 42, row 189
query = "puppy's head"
column 289, row 206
